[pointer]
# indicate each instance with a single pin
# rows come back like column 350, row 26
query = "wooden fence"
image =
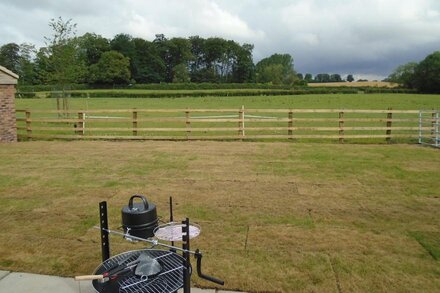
column 342, row 125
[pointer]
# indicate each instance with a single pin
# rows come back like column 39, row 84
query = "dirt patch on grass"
column 275, row 217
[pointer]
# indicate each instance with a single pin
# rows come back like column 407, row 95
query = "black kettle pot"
column 139, row 219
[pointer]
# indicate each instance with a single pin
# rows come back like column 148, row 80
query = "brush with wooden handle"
column 111, row 274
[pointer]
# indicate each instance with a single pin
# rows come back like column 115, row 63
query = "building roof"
column 8, row 72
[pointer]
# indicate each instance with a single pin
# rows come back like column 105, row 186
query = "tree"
column 181, row 73
column 92, row 46
column 350, row 78
column 335, row 78
column 123, row 43
column 112, row 68
column 178, row 54
column 19, row 59
column 148, row 63
column 404, row 75
column 26, row 68
column 197, row 64
column 272, row 73
column 243, row 70
column 64, row 62
column 280, row 65
column 173, row 52
column 216, row 58
column 322, row 77
column 220, row 60
column 42, row 65
column 427, row 74
column 308, row 77
column 10, row 56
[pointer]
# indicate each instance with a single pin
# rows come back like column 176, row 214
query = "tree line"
column 95, row 60
column 423, row 76
column 325, row 77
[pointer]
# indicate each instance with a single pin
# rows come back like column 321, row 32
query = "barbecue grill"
column 169, row 278
column 148, row 270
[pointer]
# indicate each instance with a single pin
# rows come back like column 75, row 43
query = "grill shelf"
column 170, row 278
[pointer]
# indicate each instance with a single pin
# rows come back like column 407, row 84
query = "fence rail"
column 228, row 124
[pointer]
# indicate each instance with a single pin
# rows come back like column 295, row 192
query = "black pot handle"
column 130, row 202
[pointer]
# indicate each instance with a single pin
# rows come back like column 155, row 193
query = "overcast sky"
column 365, row 38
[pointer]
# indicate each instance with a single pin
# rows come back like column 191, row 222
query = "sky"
column 367, row 38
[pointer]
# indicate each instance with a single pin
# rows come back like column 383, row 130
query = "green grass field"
column 332, row 101
column 275, row 217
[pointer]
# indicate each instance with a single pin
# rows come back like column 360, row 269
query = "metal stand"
column 186, row 252
column 186, row 256
column 103, row 220
column 171, row 219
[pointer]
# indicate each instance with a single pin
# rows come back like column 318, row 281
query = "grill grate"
column 173, row 231
column 170, row 279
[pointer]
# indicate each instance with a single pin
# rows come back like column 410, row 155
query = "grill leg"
column 186, row 256
column 103, row 220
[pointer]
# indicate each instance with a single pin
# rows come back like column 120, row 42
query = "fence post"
column 420, row 127
column 135, row 122
column 81, row 123
column 341, row 127
column 432, row 123
column 437, row 138
column 188, row 124
column 241, row 122
column 389, row 124
column 290, row 124
column 28, row 125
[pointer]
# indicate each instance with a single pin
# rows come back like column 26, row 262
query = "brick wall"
column 8, row 126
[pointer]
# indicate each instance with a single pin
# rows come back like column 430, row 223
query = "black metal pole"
column 171, row 216
column 186, row 256
column 103, row 220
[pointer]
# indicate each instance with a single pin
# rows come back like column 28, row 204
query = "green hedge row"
column 157, row 86
column 303, row 91
column 209, row 86
column 177, row 86
column 231, row 92
column 49, row 87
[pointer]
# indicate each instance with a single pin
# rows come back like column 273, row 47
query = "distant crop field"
column 356, row 84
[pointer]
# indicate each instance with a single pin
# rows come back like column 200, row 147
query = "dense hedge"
column 201, row 93
column 49, row 87
column 207, row 86
column 157, row 86
column 208, row 89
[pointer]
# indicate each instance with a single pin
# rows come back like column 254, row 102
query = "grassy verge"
column 275, row 216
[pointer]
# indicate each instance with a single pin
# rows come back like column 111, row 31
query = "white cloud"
column 185, row 18
column 356, row 36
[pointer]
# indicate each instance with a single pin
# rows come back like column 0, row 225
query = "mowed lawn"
column 275, row 217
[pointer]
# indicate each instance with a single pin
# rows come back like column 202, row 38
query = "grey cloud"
column 357, row 36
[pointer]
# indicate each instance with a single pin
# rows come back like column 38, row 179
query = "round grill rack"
column 173, row 231
column 169, row 279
